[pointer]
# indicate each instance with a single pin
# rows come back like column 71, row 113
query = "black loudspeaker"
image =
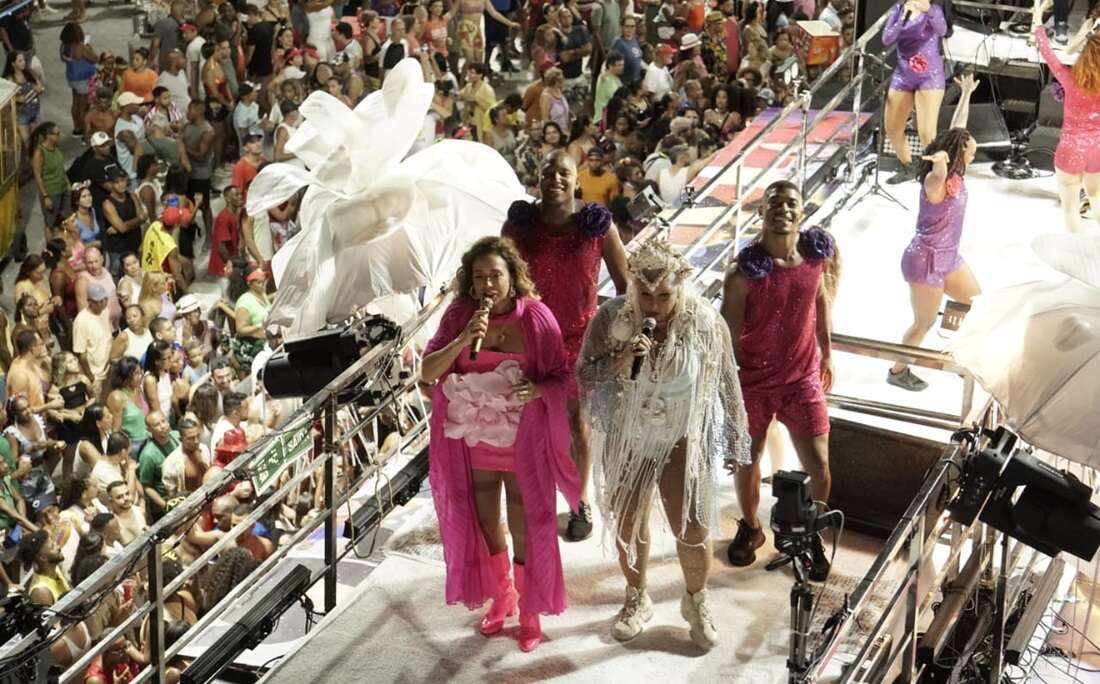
column 986, row 123
column 1044, row 139
column 876, row 473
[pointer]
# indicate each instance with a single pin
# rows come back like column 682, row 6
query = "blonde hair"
column 57, row 367
column 1086, row 72
column 553, row 77
column 150, row 280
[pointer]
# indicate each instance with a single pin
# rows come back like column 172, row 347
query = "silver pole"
column 330, row 497
column 156, row 616
column 805, row 107
column 857, row 105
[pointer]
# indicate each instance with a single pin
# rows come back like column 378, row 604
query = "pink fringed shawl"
column 543, row 463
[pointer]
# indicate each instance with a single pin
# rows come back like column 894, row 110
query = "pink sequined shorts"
column 802, row 409
column 488, row 457
column 1076, row 153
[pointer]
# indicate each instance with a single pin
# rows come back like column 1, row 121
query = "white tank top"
column 164, row 394
column 671, row 185
column 137, row 344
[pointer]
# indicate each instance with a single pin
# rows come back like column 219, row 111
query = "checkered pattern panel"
column 915, row 148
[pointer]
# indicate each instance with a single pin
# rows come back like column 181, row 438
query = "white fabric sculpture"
column 1036, row 348
column 375, row 223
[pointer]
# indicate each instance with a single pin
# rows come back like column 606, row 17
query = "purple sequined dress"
column 920, row 63
column 934, row 250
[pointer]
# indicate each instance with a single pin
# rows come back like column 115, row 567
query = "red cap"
column 188, row 26
column 256, row 274
column 666, row 50
column 233, row 442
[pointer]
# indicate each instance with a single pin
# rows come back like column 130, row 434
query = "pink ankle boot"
column 530, row 632
column 504, row 603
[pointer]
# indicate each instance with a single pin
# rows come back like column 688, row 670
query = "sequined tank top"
column 778, row 344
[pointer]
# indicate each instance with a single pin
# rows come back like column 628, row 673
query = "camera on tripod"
column 796, row 517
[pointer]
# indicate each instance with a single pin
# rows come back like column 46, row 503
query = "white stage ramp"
column 396, row 628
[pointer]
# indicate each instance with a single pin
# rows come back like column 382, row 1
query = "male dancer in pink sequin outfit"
column 563, row 244
column 777, row 306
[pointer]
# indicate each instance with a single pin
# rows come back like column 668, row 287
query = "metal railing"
column 891, row 644
column 321, row 412
column 731, row 214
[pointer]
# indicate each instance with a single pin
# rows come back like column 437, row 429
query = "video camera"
column 796, row 517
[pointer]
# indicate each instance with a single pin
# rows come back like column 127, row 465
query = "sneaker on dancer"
column 908, row 172
column 1061, row 32
column 694, row 609
column 819, row 561
column 906, row 380
column 637, row 610
column 742, row 550
column 580, row 523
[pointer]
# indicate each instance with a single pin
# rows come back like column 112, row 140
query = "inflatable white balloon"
column 375, row 223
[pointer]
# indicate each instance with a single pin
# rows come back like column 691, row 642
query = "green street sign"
column 282, row 451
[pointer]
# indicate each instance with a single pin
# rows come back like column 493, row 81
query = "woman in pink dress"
column 563, row 245
column 1076, row 160
column 499, row 417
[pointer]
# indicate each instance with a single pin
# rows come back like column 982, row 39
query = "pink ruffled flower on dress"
column 481, row 406
column 1057, row 91
column 953, row 184
column 918, row 63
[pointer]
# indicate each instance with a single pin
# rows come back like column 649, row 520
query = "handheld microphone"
column 908, row 13
column 475, row 346
column 649, row 326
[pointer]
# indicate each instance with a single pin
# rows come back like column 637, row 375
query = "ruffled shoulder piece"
column 816, row 244
column 523, row 214
column 754, row 262
column 594, row 220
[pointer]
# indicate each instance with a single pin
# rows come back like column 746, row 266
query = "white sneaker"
column 637, row 610
column 694, row 609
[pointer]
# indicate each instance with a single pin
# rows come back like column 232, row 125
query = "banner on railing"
column 283, row 450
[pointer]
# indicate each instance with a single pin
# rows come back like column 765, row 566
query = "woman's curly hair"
column 232, row 568
column 506, row 250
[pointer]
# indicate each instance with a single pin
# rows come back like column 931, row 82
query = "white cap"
column 99, row 138
column 128, row 98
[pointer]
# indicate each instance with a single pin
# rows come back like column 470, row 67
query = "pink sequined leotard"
column 778, row 356
column 565, row 268
column 778, row 345
column 1079, row 146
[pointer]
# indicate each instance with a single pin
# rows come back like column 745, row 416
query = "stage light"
column 1053, row 513
column 305, row 365
column 253, row 627
column 404, row 486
